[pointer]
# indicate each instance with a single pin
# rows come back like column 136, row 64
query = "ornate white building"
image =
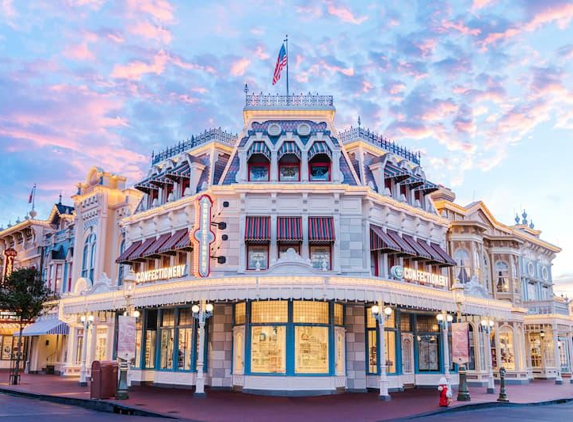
column 294, row 233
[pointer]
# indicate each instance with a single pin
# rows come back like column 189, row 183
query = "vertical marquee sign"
column 9, row 255
column 202, row 236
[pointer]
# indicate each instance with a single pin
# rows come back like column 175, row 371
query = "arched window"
column 319, row 162
column 289, row 162
column 258, row 159
column 502, row 273
column 462, row 258
column 88, row 259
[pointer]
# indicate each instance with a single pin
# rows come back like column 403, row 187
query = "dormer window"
column 259, row 162
column 289, row 162
column 319, row 164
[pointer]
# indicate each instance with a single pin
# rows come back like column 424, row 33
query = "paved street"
column 19, row 409
column 551, row 413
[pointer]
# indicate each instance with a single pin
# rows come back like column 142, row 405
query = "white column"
column 274, row 172
column 336, row 174
column 304, row 166
column 83, row 370
column 384, row 395
column 273, row 249
column 489, row 362
column 570, row 347
column 446, row 353
column 200, row 381
column 559, row 379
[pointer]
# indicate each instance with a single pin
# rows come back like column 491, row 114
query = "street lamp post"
column 382, row 318
column 201, row 313
column 129, row 283
column 444, row 319
column 487, row 325
column 87, row 320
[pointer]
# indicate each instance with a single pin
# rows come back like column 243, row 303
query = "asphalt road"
column 551, row 413
column 20, row 409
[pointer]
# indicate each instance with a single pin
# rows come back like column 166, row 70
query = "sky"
column 483, row 88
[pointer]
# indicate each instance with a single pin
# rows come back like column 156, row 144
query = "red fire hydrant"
column 445, row 393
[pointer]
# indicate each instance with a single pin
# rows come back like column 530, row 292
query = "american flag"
column 281, row 63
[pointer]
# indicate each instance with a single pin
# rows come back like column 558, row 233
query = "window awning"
column 289, row 147
column 258, row 229
column 45, row 327
column 145, row 186
column 160, row 179
column 436, row 258
column 392, row 171
column 406, row 249
column 140, row 252
column 289, row 229
column 184, row 243
column 170, row 245
column 421, row 253
column 449, row 260
column 414, row 182
column 321, row 229
column 124, row 257
column 259, row 147
column 428, row 187
column 319, row 148
column 182, row 170
column 153, row 250
column 380, row 241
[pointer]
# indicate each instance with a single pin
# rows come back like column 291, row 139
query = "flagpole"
column 286, row 41
column 34, row 197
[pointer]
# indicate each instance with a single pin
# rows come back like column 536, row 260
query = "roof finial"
column 359, row 122
column 516, row 218
column 246, row 89
column 60, row 199
column 531, row 225
column 524, row 221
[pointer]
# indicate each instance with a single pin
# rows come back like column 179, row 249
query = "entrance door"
column 408, row 377
column 238, row 355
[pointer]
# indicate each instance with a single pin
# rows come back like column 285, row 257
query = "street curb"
column 97, row 405
column 478, row 406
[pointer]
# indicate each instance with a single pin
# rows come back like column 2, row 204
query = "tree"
column 24, row 293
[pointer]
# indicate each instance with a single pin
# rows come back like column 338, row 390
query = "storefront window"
column 258, row 257
column 269, row 312
column 311, row 349
column 471, row 365
column 240, row 313
column 338, row 314
column 493, row 349
column 507, row 355
column 563, row 353
column 310, row 312
column 268, row 349
column 185, row 339
column 138, row 336
column 373, row 343
column 319, row 171
column 320, row 257
column 390, row 351
column 372, row 352
column 79, row 346
column 167, row 334
column 289, row 172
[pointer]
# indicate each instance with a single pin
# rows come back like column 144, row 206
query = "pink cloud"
column 239, row 67
column 480, row 4
column 460, row 27
column 348, row 71
column 439, row 109
column 260, row 53
column 92, row 4
column 149, row 31
column 561, row 14
column 136, row 69
column 345, row 14
column 159, row 10
column 79, row 52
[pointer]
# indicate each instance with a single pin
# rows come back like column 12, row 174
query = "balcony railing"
column 380, row 141
column 293, row 100
column 217, row 135
column 544, row 307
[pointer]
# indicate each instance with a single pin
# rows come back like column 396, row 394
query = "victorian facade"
column 295, row 259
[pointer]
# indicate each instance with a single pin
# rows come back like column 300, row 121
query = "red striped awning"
column 124, row 257
column 169, row 246
column 449, row 260
column 420, row 251
column 140, row 252
column 321, row 229
column 154, row 249
column 184, row 243
column 289, row 229
column 406, row 249
column 258, row 229
column 380, row 241
column 436, row 258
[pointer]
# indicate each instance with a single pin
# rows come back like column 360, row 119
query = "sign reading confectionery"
column 202, row 236
column 460, row 343
column 176, row 271
column 410, row 274
column 9, row 256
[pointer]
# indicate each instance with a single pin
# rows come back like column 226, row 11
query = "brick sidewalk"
column 226, row 405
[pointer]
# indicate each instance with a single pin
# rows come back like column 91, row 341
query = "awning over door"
column 380, row 241
column 289, row 229
column 258, row 229
column 45, row 327
column 321, row 229
column 420, row 251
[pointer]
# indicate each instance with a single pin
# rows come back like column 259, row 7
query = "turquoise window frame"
column 397, row 344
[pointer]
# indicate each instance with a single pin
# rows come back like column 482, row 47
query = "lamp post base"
column 122, row 388
column 463, row 392
column 83, row 383
column 385, row 398
column 559, row 382
column 490, row 390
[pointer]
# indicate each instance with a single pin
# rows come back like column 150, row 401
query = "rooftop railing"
column 293, row 100
column 217, row 135
column 380, row 141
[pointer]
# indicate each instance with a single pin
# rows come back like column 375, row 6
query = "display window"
column 268, row 349
column 257, row 256
column 373, row 343
column 258, row 168
column 428, row 352
column 311, row 350
column 284, row 247
column 506, row 352
column 289, row 172
column 319, row 171
column 320, row 257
